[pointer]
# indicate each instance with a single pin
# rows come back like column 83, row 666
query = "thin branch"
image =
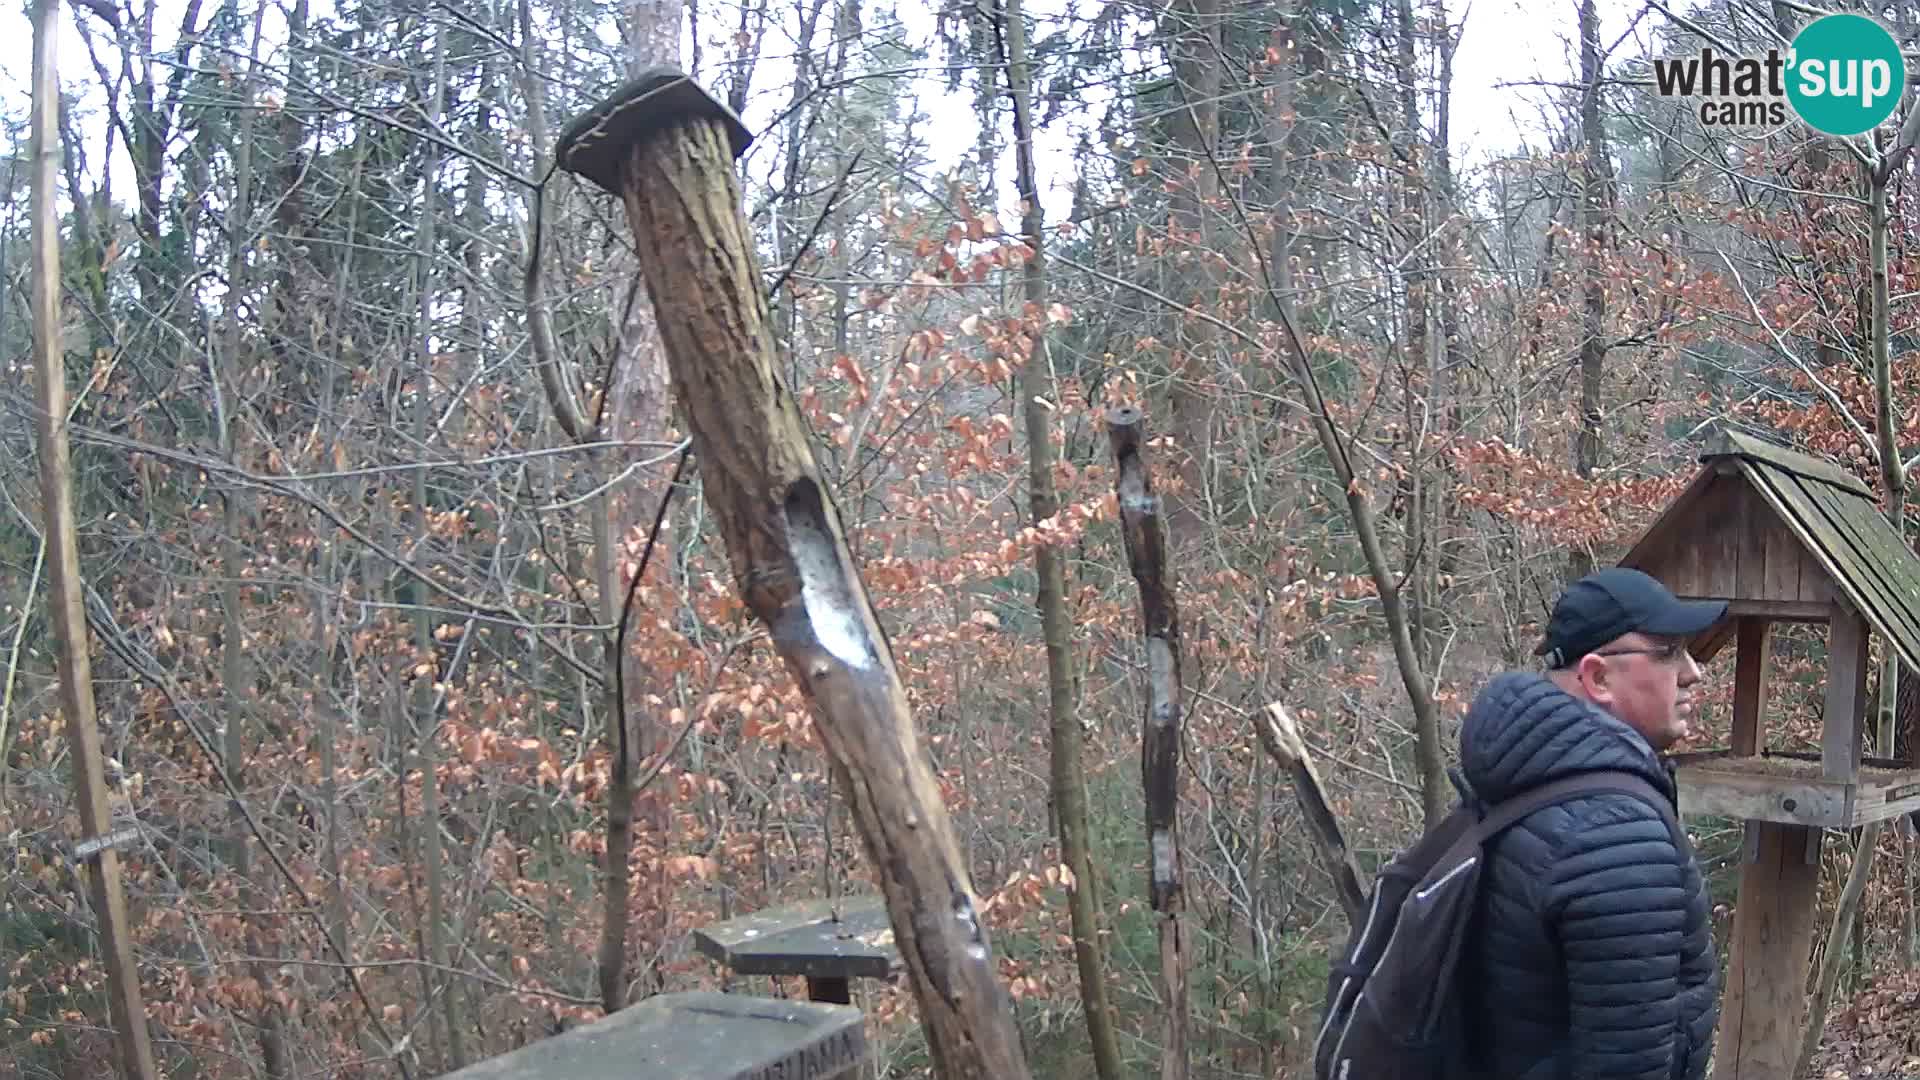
column 1780, row 344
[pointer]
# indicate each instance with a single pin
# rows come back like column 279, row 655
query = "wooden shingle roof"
column 1838, row 520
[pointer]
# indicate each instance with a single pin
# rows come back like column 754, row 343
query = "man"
column 1593, row 956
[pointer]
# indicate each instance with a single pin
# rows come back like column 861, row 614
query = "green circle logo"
column 1846, row 74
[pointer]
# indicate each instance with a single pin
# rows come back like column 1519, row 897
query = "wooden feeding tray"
column 827, row 941
column 705, row 1035
column 1791, row 789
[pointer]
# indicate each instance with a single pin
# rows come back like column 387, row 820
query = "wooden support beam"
column 1752, row 663
column 667, row 149
column 1840, row 742
column 1763, row 1008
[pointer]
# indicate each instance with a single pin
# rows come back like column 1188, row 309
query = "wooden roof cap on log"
column 596, row 144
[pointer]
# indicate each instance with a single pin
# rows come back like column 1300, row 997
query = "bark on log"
column 667, row 149
column 1141, row 529
column 1281, row 737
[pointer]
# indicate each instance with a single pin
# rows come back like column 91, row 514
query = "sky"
column 1506, row 45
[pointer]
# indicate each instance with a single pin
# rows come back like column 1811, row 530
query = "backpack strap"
column 1505, row 814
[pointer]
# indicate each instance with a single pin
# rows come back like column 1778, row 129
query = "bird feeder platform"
column 1791, row 788
column 698, row 1034
column 829, row 942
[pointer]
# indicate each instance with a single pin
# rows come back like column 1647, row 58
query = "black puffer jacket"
column 1594, row 957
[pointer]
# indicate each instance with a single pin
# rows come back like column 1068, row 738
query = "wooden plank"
column 1793, row 512
column 1874, row 537
column 1711, row 792
column 1805, row 611
column 1706, row 646
column 1771, row 943
column 1884, row 566
column 1882, row 797
column 1755, row 528
column 1654, row 551
column 1699, row 757
column 1826, row 521
column 1868, row 762
column 1859, row 524
column 1794, row 461
column 1816, row 585
column 1752, row 662
column 1781, row 560
column 1706, row 562
column 1846, row 694
column 708, row 1035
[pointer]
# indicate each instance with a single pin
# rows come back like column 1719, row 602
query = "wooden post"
column 667, row 148
column 1140, row 527
column 1752, row 662
column 63, row 570
column 1763, row 1013
column 837, row 990
column 1763, row 1009
column 1840, row 742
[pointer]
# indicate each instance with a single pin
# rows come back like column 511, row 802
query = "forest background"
column 362, row 501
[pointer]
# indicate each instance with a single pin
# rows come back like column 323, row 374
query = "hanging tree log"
column 1145, row 537
column 666, row 148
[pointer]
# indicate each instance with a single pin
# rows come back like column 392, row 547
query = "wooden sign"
column 94, row 845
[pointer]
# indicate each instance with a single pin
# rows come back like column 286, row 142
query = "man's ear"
column 1592, row 671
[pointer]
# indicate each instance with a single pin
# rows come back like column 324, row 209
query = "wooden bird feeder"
column 1784, row 537
column 697, row 1034
column 829, row 942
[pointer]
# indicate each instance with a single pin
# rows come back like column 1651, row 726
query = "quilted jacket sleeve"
column 1617, row 902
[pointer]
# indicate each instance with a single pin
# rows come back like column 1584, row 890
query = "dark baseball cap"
column 1608, row 603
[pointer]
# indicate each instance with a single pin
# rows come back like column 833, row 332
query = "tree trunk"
column 1893, row 478
column 64, row 592
column 1037, row 393
column 234, row 676
column 638, row 409
column 1194, row 41
column 790, row 558
column 1595, row 185
column 1160, row 736
column 427, row 673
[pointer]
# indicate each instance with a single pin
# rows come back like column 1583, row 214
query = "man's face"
column 1647, row 682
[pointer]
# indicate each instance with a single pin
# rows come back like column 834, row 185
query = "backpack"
column 1393, row 1010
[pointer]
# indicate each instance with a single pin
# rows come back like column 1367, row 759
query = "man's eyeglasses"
column 1667, row 652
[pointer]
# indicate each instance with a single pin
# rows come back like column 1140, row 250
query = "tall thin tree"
column 1036, row 395
column 63, row 568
